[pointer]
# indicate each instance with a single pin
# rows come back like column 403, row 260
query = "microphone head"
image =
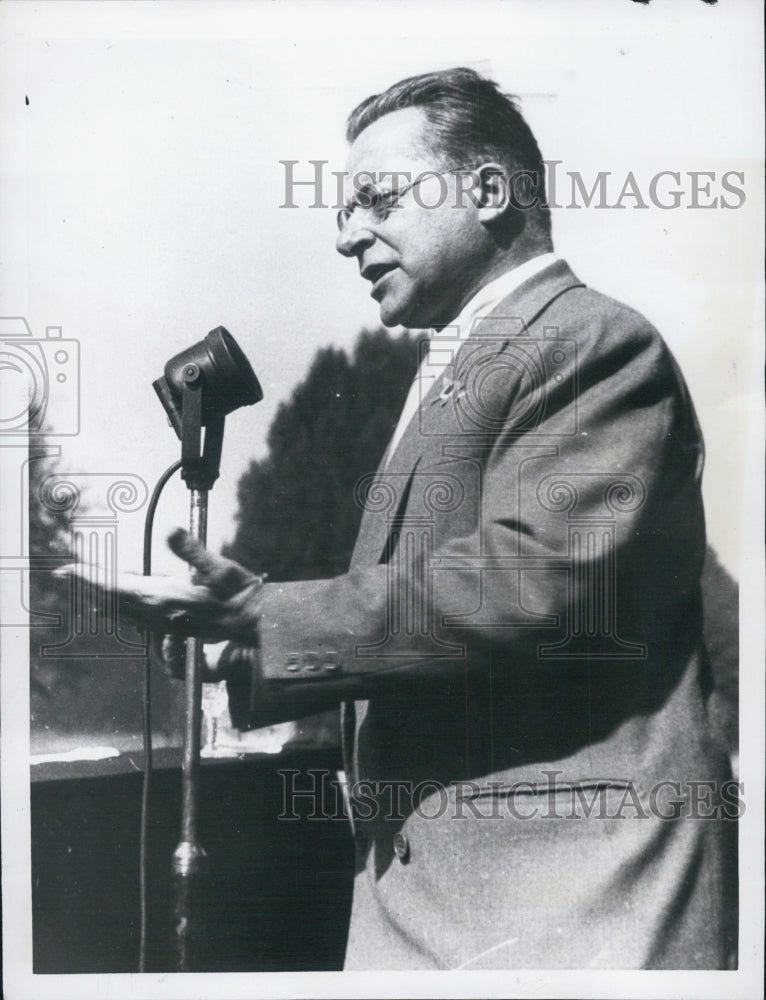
column 228, row 380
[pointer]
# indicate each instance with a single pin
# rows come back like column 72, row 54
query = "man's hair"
column 469, row 121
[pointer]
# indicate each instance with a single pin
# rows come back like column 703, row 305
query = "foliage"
column 88, row 692
column 49, row 536
column 297, row 516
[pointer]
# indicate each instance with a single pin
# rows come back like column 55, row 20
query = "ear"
column 492, row 196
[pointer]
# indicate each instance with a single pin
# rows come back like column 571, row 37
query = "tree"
column 49, row 536
column 297, row 517
column 84, row 692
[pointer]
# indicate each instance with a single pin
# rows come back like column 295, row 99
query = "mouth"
column 374, row 273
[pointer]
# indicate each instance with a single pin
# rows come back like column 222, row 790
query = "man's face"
column 423, row 262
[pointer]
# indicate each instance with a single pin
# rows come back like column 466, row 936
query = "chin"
column 402, row 314
column 394, row 315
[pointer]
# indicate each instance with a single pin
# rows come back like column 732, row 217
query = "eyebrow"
column 351, row 203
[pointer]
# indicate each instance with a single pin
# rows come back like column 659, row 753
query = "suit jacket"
column 520, row 632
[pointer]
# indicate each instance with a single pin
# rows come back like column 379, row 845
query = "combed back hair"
column 470, row 121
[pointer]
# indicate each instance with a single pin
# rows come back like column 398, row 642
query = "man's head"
column 445, row 183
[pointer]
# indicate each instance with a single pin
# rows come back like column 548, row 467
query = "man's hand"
column 218, row 601
column 170, row 651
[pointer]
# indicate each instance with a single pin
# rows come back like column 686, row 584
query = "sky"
column 142, row 187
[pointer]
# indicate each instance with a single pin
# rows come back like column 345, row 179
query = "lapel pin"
column 450, row 389
column 445, row 393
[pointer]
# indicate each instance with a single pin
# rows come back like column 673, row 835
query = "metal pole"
column 189, row 864
column 218, row 368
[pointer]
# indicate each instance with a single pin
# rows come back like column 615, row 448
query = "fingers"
column 222, row 576
column 216, row 606
column 152, row 601
column 170, row 652
column 191, row 551
column 173, row 649
column 79, row 569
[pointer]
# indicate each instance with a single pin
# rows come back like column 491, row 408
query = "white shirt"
column 444, row 344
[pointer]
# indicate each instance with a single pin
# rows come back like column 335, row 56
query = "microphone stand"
column 199, row 387
column 190, row 868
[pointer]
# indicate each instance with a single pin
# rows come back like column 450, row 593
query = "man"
column 517, row 642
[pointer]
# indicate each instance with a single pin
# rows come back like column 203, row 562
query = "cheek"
column 448, row 238
column 437, row 245
column 430, row 252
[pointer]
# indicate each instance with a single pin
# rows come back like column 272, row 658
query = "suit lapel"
column 518, row 311
column 390, row 487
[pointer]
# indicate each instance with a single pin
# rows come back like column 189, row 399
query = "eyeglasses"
column 379, row 204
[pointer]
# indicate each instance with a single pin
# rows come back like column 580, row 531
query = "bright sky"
column 142, row 185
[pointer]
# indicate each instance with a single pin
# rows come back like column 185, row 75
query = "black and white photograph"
column 382, row 548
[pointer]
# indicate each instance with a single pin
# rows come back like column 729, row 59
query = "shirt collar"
column 493, row 293
column 442, row 344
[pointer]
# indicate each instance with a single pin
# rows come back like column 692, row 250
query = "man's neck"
column 502, row 264
column 509, row 262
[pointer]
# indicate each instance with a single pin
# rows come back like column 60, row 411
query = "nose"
column 355, row 236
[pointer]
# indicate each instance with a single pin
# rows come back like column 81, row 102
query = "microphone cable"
column 147, row 721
